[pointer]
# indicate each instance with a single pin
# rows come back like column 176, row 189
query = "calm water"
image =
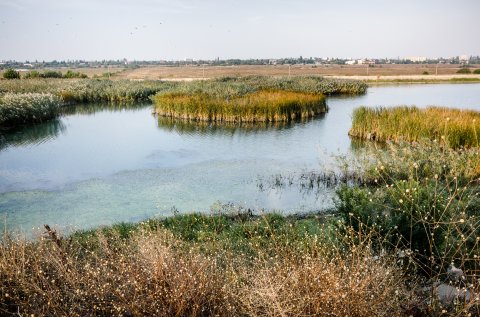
column 99, row 165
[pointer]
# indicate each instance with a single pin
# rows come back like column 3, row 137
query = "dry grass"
column 334, row 283
column 153, row 273
column 165, row 72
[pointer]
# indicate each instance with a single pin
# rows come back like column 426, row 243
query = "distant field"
column 164, row 72
column 412, row 72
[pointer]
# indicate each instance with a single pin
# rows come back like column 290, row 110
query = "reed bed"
column 87, row 90
column 452, row 127
column 26, row 108
column 260, row 106
column 309, row 84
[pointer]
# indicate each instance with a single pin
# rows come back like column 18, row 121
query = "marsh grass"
column 27, row 108
column 455, row 128
column 87, row 90
column 259, row 106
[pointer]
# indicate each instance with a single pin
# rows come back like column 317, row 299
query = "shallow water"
column 100, row 165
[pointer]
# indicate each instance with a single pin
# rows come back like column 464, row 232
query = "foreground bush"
column 20, row 109
column 455, row 128
column 200, row 266
column 260, row 106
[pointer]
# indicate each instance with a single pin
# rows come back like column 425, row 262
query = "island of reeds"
column 252, row 98
column 259, row 106
column 453, row 127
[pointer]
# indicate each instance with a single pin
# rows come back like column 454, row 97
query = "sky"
column 207, row 29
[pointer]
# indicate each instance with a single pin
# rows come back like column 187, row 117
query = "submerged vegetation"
column 455, row 128
column 252, row 98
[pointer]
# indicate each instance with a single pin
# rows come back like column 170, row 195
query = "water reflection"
column 32, row 135
column 193, row 127
column 92, row 108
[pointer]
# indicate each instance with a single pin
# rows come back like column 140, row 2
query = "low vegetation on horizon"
column 453, row 127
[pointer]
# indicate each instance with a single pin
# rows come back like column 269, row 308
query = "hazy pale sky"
column 169, row 29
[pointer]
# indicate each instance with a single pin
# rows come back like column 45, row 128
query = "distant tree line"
column 13, row 74
column 223, row 62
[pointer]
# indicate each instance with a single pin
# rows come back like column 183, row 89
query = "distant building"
column 464, row 58
column 349, row 62
column 416, row 59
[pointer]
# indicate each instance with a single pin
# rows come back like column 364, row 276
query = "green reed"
column 453, row 127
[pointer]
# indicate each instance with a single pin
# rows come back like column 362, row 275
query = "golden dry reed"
column 156, row 273
column 259, row 106
column 453, row 127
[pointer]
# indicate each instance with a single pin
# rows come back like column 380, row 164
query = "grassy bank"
column 455, row 128
column 26, row 108
column 259, row 106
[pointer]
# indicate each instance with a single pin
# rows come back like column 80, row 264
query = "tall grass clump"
column 259, row 106
column 26, row 108
column 455, row 128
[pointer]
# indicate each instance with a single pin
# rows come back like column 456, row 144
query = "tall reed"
column 87, row 90
column 25, row 108
column 260, row 106
column 453, row 127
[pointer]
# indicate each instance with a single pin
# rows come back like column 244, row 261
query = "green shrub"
column 11, row 74
column 72, row 74
column 421, row 202
column 464, row 71
column 51, row 74
column 476, row 71
column 32, row 74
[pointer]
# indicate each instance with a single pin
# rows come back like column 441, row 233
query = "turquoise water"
column 98, row 165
